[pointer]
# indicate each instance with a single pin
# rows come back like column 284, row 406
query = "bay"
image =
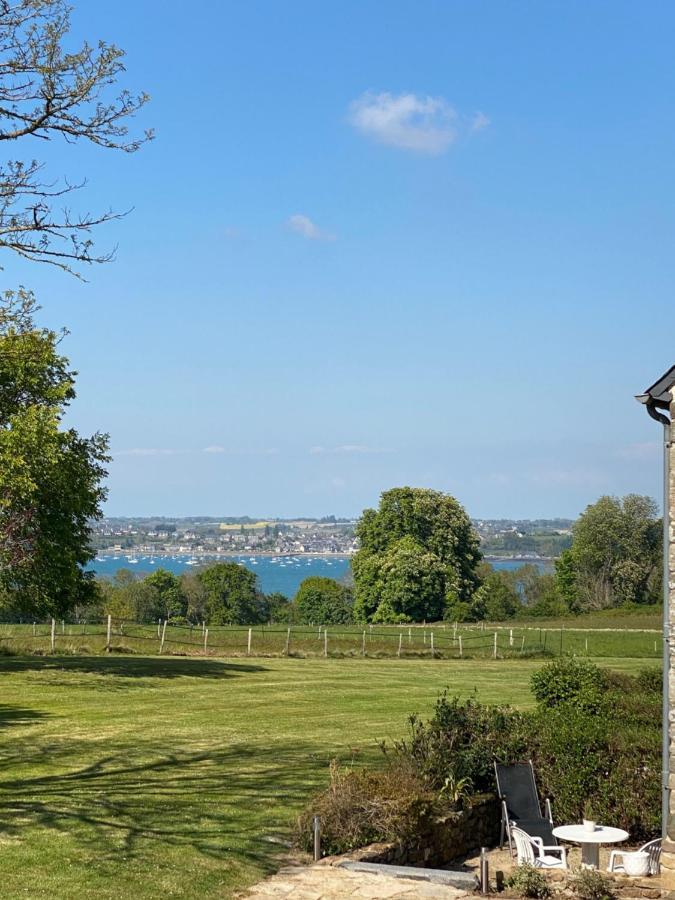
column 275, row 573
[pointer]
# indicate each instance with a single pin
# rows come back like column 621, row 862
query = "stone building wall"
column 668, row 856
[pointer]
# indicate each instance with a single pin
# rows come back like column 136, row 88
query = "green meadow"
column 148, row 777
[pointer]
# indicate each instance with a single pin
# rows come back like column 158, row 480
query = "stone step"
column 466, row 881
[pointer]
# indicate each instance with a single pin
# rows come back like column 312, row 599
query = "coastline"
column 134, row 551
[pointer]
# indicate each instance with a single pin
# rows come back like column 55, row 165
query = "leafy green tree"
column 418, row 557
column 50, row 477
column 195, row 595
column 322, row 601
column 412, row 584
column 497, row 598
column 171, row 601
column 615, row 556
column 279, row 608
column 232, row 596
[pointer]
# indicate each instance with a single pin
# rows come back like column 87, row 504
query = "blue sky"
column 376, row 244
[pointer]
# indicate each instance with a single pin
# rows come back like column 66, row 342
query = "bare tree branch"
column 46, row 91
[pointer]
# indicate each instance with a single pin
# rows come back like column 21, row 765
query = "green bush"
column 448, row 743
column 570, row 681
column 606, row 751
column 527, row 881
column 650, row 680
column 590, row 884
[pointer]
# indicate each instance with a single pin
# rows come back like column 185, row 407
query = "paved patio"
column 322, row 882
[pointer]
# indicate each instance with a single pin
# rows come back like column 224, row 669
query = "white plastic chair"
column 531, row 851
column 653, row 848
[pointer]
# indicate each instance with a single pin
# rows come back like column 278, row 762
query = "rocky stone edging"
column 439, row 840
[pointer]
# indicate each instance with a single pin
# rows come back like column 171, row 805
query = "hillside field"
column 152, row 777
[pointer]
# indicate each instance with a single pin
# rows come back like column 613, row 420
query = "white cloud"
column 215, row 448
column 346, row 449
column 304, row 226
column 422, row 124
column 414, row 122
column 479, row 122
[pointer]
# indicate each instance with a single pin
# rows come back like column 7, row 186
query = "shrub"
column 362, row 806
column 527, row 881
column 590, row 884
column 611, row 759
column 650, row 680
column 570, row 681
column 448, row 744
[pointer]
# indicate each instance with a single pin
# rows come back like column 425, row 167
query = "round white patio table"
column 590, row 840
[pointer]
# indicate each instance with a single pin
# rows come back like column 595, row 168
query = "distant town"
column 500, row 538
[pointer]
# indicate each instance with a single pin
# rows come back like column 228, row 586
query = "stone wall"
column 668, row 855
column 441, row 840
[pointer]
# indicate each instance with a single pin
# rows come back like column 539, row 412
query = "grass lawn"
column 147, row 777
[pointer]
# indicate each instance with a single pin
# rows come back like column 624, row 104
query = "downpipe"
column 665, row 750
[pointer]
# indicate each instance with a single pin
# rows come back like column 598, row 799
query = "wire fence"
column 445, row 641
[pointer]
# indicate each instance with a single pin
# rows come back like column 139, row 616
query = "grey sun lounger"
column 520, row 804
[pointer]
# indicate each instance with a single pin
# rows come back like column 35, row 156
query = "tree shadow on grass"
column 228, row 804
column 129, row 666
column 17, row 715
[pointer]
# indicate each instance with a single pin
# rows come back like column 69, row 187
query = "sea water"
column 275, row 573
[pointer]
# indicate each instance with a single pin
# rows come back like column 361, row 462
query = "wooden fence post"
column 400, row 643
column 363, row 645
column 325, row 641
column 433, row 654
column 495, row 650
column 63, row 626
column 511, row 637
column 250, row 635
column 161, row 643
column 108, row 634
column 410, row 635
column 53, row 641
column 33, row 629
column 206, row 638
column 460, row 645
column 288, row 641
column 522, row 646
